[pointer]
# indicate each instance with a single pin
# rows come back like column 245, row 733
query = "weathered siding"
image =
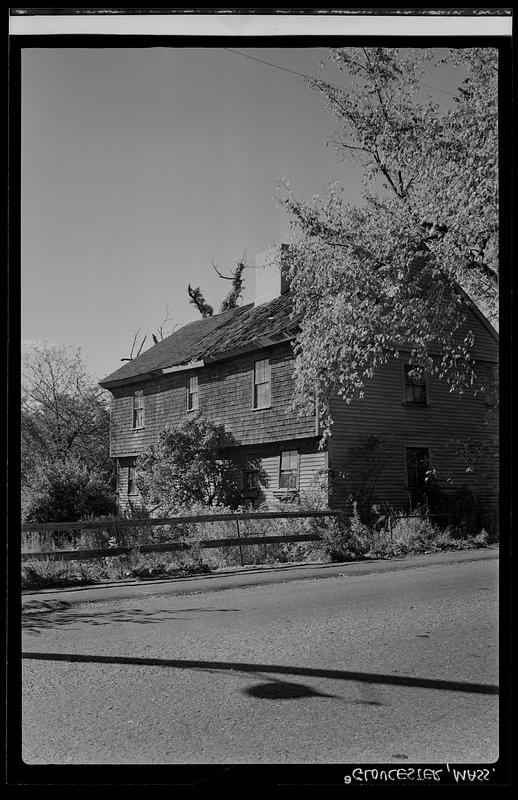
column 225, row 396
column 312, row 472
column 312, row 467
column 443, row 426
column 485, row 346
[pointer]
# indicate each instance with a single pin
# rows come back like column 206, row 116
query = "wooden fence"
column 119, row 525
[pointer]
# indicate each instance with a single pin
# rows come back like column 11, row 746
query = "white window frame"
column 295, row 471
column 138, row 410
column 256, row 383
column 191, row 394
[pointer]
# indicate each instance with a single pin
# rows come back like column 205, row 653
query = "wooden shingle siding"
column 225, row 396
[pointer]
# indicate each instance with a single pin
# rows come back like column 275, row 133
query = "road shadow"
column 283, row 690
column 279, row 669
column 42, row 619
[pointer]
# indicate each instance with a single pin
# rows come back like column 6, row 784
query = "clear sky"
column 142, row 166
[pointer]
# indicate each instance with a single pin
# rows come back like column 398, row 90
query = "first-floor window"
column 417, row 464
column 251, row 471
column 132, row 484
column 289, row 471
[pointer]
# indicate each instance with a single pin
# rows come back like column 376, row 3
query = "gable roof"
column 240, row 330
column 224, row 335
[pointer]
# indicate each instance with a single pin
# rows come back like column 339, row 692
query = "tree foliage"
column 398, row 269
column 187, row 465
column 198, row 300
column 64, row 413
column 66, row 490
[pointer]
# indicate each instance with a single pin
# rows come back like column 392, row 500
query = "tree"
column 399, row 268
column 232, row 297
column 64, row 413
column 187, row 465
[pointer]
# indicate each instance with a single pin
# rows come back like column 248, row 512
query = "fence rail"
column 30, row 527
column 170, row 546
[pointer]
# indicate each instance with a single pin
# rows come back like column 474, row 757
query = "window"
column 192, row 393
column 262, row 383
column 138, row 409
column 417, row 465
column 289, row 472
column 132, row 485
column 489, row 375
column 251, row 471
column 415, row 385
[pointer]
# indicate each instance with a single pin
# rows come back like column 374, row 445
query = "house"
column 237, row 368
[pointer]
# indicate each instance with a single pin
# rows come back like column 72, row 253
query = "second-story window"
column 415, row 385
column 192, row 393
column 262, row 383
column 138, row 409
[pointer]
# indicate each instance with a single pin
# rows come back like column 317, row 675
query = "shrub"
column 346, row 541
column 419, row 534
column 462, row 509
column 163, row 565
column 186, row 466
column 67, row 491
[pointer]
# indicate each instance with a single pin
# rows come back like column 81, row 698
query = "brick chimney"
column 271, row 274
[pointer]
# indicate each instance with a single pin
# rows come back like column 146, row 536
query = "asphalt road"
column 390, row 667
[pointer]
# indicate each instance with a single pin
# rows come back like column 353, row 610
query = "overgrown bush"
column 461, row 509
column 420, row 534
column 346, row 541
column 186, row 466
column 38, row 574
column 67, row 491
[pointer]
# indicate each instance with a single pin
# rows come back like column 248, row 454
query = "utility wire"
column 312, row 77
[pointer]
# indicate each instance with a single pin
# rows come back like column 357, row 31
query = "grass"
column 351, row 542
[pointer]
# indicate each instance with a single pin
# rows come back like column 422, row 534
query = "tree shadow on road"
column 51, row 617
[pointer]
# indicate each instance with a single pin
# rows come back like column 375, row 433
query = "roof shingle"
column 241, row 329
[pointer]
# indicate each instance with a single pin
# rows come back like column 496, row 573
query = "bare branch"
column 141, row 346
column 225, row 277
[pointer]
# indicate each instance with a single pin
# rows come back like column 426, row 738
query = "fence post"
column 240, row 548
column 390, row 528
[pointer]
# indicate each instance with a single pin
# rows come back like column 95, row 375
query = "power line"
column 312, row 77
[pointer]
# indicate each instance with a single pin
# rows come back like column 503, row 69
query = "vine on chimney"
column 231, row 299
